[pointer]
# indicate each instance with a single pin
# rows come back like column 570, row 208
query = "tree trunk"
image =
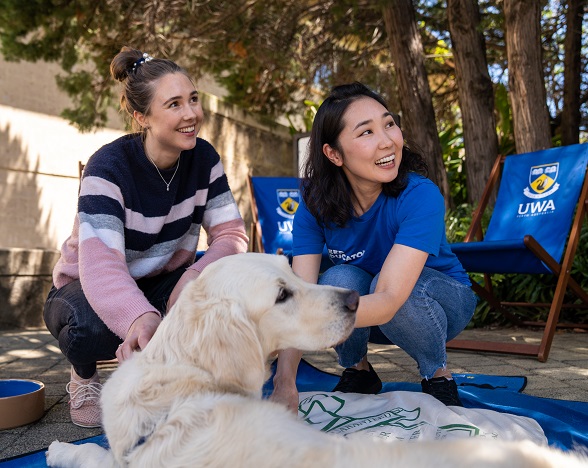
column 525, row 75
column 570, row 116
column 418, row 114
column 476, row 97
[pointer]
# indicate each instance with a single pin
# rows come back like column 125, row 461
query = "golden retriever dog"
column 192, row 397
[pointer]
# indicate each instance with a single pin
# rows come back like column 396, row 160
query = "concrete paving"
column 34, row 354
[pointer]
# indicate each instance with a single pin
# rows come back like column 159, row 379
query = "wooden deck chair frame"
column 256, row 245
column 561, row 271
column 81, row 166
column 254, row 237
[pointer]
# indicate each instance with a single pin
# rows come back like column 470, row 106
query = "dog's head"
column 244, row 307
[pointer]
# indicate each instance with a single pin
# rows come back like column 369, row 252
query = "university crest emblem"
column 288, row 201
column 542, row 181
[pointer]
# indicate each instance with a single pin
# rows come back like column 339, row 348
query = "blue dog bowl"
column 21, row 402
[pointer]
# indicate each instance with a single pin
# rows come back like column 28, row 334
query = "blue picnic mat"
column 37, row 458
column 565, row 423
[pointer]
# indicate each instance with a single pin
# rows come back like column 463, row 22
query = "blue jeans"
column 437, row 310
column 83, row 337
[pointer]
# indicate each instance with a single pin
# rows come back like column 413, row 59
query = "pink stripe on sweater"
column 223, row 239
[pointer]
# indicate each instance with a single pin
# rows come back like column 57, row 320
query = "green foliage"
column 84, row 35
column 453, row 150
column 504, row 123
column 310, row 110
column 85, row 112
column 270, row 55
column 458, row 221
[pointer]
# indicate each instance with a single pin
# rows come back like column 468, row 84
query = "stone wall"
column 39, row 157
column 25, row 281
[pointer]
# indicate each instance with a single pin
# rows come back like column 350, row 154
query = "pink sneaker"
column 84, row 400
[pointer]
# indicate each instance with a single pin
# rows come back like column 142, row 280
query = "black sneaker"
column 359, row 381
column 445, row 390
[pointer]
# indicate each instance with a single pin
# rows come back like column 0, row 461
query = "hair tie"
column 146, row 58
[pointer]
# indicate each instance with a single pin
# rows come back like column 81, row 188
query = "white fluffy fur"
column 194, row 393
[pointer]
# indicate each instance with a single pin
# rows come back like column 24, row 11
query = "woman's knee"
column 419, row 325
column 72, row 321
column 347, row 276
column 58, row 310
column 459, row 318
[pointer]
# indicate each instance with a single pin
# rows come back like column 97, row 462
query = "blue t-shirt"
column 416, row 218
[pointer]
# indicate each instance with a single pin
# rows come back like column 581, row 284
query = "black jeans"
column 83, row 337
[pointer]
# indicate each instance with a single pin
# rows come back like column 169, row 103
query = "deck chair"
column 541, row 203
column 274, row 201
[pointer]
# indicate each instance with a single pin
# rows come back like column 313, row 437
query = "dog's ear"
column 228, row 343
column 214, row 333
column 217, row 336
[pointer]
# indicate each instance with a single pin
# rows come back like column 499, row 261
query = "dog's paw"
column 57, row 455
column 63, row 455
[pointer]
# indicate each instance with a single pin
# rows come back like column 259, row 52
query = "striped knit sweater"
column 128, row 226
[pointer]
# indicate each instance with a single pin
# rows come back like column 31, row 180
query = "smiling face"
column 174, row 119
column 369, row 146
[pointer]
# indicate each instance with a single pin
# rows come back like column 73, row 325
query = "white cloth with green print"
column 410, row 416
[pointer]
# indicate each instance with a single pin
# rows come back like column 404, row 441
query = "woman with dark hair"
column 143, row 199
column 366, row 197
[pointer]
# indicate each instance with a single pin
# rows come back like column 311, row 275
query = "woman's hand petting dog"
column 140, row 333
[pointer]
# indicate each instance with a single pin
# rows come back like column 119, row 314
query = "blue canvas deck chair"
column 274, row 201
column 534, row 229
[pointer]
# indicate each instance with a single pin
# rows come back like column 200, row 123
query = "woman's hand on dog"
column 138, row 336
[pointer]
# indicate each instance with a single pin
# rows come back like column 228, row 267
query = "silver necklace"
column 167, row 184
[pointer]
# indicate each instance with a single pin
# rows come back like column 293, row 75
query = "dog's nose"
column 351, row 300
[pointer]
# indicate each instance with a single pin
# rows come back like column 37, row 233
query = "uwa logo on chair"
column 288, row 201
column 542, row 184
column 542, row 181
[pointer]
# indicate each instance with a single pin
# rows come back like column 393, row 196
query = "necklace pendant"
column 167, row 184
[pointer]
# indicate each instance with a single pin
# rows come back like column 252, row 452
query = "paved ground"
column 34, row 354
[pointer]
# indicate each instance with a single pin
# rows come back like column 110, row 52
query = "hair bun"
column 122, row 64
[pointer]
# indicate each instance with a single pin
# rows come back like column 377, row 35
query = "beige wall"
column 39, row 153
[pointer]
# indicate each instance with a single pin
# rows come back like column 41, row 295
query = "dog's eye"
column 283, row 295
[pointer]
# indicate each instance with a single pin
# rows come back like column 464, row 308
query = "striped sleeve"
column 222, row 221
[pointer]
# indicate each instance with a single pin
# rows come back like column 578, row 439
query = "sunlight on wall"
column 40, row 173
